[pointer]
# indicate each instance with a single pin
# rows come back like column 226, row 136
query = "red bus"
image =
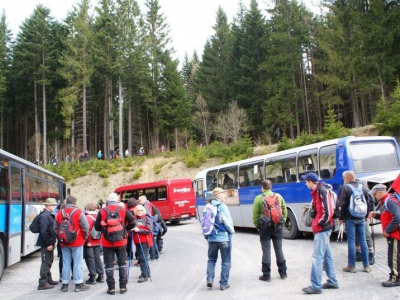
column 174, row 197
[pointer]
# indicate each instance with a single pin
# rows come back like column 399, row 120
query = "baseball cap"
column 378, row 187
column 310, row 177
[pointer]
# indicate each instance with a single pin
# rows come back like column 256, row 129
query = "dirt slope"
column 90, row 187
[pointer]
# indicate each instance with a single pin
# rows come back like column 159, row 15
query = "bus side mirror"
column 68, row 191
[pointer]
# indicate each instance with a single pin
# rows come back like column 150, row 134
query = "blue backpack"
column 155, row 228
column 211, row 222
column 395, row 197
column 358, row 204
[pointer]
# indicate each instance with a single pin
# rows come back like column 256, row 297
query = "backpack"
column 358, row 204
column 155, row 228
column 66, row 231
column 35, row 227
column 114, row 230
column 335, row 202
column 394, row 196
column 93, row 232
column 272, row 211
column 210, row 221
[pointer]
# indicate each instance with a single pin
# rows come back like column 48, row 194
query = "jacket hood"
column 215, row 202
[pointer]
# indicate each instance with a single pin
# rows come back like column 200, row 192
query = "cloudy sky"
column 190, row 21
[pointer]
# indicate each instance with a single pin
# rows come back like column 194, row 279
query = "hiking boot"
column 393, row 281
column 264, row 278
column 122, row 288
column 80, row 287
column 209, row 283
column 350, row 269
column 371, row 257
column 224, row 287
column 310, row 290
column 91, row 280
column 64, row 288
column 358, row 256
column 52, row 282
column 100, row 278
column 45, row 287
column 328, row 285
column 142, row 279
column 367, row 269
column 283, row 276
column 111, row 291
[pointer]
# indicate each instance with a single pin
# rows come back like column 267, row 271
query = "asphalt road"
column 180, row 272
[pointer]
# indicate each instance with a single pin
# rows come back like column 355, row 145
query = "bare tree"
column 202, row 119
column 232, row 124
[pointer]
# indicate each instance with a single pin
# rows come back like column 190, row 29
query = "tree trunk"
column 129, row 146
column 84, row 137
column 120, row 116
column 37, row 130
column 44, row 126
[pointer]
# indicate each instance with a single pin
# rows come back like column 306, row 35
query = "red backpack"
column 66, row 231
column 272, row 211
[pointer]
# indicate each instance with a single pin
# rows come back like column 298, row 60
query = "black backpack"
column 114, row 230
column 35, row 227
column 66, row 231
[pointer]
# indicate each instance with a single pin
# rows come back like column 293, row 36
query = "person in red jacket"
column 143, row 239
column 73, row 251
column 114, row 240
column 389, row 214
column 91, row 250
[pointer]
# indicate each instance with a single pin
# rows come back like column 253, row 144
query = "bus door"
column 182, row 200
column 15, row 214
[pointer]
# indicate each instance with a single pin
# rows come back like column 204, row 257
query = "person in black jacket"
column 46, row 242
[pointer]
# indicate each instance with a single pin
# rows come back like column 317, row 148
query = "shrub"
column 137, row 173
column 73, row 183
column 125, row 169
column 105, row 183
column 334, row 128
column 103, row 173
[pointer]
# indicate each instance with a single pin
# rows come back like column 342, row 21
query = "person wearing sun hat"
column 389, row 214
column 46, row 241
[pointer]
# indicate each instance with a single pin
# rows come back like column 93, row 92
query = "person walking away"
column 92, row 248
column 353, row 196
column 46, row 241
column 323, row 207
column 71, row 242
column 389, row 214
column 99, row 155
column 143, row 239
column 221, row 242
column 113, row 220
column 270, row 230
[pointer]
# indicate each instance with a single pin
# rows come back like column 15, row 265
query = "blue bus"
column 24, row 187
column 374, row 159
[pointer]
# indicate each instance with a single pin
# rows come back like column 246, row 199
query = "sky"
column 190, row 21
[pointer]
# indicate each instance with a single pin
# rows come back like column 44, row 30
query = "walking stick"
column 130, row 256
column 145, row 260
column 340, row 235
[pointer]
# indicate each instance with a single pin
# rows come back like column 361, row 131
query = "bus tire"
column 174, row 222
column 2, row 258
column 290, row 229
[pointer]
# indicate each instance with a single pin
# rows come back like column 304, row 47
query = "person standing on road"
column 73, row 251
column 152, row 211
column 353, row 224
column 114, row 240
column 322, row 224
column 222, row 241
column 46, row 241
column 269, row 232
column 389, row 214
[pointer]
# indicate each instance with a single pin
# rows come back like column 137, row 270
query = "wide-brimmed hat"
column 51, row 201
column 217, row 191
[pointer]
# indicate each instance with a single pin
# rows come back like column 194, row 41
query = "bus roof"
column 28, row 163
column 153, row 184
column 344, row 140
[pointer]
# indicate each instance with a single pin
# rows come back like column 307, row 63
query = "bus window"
column 251, row 174
column 199, row 188
column 327, row 161
column 307, row 162
column 227, row 178
column 281, row 169
column 16, row 184
column 150, row 194
column 3, row 182
column 211, row 180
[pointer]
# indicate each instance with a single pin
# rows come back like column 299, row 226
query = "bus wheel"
column 2, row 258
column 290, row 230
column 173, row 222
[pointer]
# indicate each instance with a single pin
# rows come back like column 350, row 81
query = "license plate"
column 184, row 216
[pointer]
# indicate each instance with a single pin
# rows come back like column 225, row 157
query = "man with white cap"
column 46, row 240
column 389, row 214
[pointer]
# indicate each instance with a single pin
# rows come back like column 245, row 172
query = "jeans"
column 154, row 250
column 75, row 254
column 225, row 249
column 266, row 235
column 93, row 260
column 45, row 267
column 322, row 260
column 109, row 254
column 143, row 249
column 367, row 236
column 354, row 226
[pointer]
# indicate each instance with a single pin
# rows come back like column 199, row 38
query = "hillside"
column 90, row 187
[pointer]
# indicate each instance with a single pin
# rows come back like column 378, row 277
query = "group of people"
column 325, row 208
column 109, row 228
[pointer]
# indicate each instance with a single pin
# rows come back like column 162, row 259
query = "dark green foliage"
column 387, row 115
column 334, row 128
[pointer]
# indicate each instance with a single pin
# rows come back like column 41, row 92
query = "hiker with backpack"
column 143, row 239
column 353, row 197
column 323, row 207
column 217, row 228
column 114, row 221
column 389, row 214
column 92, row 248
column 46, row 241
column 269, row 215
column 155, row 215
column 72, row 231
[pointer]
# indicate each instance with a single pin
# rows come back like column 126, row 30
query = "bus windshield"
column 374, row 156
